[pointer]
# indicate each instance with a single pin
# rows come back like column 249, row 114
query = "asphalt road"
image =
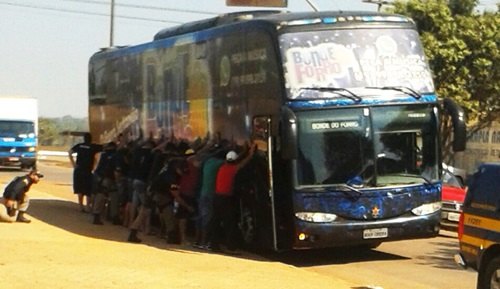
column 415, row 264
column 425, row 263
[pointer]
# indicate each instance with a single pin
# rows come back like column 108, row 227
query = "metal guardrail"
column 54, row 157
column 52, row 153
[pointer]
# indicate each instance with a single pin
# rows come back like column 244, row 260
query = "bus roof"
column 282, row 18
column 274, row 18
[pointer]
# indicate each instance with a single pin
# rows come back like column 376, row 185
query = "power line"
column 85, row 12
column 148, row 7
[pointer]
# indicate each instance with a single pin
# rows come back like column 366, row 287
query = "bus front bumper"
column 353, row 233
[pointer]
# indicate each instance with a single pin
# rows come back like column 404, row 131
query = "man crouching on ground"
column 15, row 200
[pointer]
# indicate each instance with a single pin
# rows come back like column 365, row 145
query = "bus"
column 341, row 104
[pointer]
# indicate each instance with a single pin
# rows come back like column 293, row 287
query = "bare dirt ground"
column 62, row 249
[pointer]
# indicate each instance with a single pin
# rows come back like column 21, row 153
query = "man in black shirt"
column 15, row 200
column 84, row 165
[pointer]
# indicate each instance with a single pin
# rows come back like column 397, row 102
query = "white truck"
column 18, row 131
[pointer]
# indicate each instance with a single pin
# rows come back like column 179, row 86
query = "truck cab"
column 18, row 131
column 17, row 143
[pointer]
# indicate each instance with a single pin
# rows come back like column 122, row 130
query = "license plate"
column 455, row 217
column 375, row 233
column 14, row 159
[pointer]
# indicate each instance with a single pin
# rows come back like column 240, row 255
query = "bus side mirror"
column 288, row 128
column 458, row 120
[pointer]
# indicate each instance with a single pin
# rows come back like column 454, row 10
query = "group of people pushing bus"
column 163, row 187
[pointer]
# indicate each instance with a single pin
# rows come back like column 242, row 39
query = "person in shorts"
column 86, row 154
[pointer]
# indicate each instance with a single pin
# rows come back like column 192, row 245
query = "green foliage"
column 54, row 131
column 463, row 7
column 462, row 47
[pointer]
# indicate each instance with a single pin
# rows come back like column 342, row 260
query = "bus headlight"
column 427, row 209
column 316, row 217
column 32, row 149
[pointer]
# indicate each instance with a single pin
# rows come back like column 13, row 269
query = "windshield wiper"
column 347, row 190
column 403, row 89
column 346, row 93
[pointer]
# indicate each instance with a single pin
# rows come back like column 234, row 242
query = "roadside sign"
column 258, row 3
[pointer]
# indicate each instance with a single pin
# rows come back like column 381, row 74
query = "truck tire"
column 490, row 278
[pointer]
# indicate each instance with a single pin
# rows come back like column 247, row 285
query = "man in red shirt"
column 225, row 202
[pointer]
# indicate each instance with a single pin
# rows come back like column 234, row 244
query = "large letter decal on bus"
column 321, row 65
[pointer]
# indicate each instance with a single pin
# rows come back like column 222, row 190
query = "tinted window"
column 484, row 187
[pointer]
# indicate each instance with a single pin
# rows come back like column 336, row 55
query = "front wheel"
column 490, row 277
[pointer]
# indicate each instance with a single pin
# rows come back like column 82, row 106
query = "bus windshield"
column 354, row 58
column 366, row 147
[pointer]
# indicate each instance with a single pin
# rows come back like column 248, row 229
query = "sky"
column 45, row 45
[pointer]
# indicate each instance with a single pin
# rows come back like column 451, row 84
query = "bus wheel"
column 248, row 224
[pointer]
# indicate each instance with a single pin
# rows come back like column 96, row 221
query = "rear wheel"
column 490, row 279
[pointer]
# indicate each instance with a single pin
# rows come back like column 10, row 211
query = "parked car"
column 479, row 226
column 453, row 195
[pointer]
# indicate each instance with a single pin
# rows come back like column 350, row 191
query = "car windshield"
column 365, row 147
column 451, row 180
column 354, row 58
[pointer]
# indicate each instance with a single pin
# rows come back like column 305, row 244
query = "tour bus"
column 341, row 105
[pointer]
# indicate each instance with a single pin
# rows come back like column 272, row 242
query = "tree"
column 47, row 132
column 463, row 7
column 55, row 131
column 462, row 47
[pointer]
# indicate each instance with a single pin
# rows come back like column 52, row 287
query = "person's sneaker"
column 134, row 239
column 197, row 246
column 22, row 219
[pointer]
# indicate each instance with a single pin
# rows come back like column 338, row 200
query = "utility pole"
column 112, row 24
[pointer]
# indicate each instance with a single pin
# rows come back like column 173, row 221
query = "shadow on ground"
column 66, row 215
column 334, row 256
column 441, row 257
